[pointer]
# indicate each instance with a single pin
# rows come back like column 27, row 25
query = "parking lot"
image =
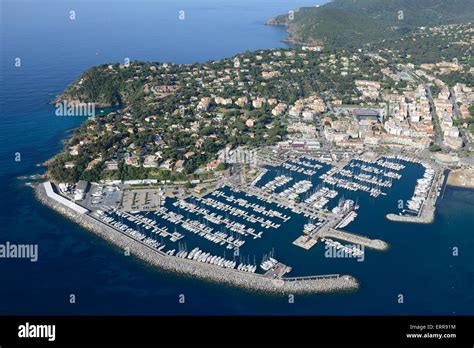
column 99, row 197
column 140, row 199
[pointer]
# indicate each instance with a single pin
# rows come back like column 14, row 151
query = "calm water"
column 55, row 50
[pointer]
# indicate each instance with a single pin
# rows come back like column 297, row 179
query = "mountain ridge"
column 345, row 23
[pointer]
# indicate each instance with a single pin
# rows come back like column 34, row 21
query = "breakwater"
column 249, row 281
column 426, row 214
column 376, row 244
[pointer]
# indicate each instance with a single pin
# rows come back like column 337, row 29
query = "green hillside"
column 357, row 22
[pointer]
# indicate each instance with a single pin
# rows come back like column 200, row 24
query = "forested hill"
column 357, row 22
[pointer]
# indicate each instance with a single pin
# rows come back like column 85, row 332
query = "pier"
column 218, row 219
column 308, row 241
column 156, row 229
column 299, row 208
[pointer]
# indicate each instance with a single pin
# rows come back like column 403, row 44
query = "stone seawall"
column 250, row 281
column 376, row 244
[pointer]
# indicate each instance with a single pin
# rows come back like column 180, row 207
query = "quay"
column 305, row 242
column 233, row 277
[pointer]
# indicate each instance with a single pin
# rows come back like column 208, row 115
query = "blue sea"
column 54, row 50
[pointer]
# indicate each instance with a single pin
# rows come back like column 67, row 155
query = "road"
column 438, row 136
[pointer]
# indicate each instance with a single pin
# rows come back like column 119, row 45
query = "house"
column 167, row 164
column 257, row 103
column 132, row 161
column 199, row 189
column 189, row 154
column 179, row 166
column 111, row 165
column 204, row 104
column 199, row 142
column 150, row 162
column 212, row 165
column 242, row 102
column 74, row 150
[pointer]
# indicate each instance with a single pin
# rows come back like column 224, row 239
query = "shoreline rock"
column 292, row 36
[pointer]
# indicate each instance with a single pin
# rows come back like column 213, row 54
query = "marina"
column 220, row 271
column 304, row 202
